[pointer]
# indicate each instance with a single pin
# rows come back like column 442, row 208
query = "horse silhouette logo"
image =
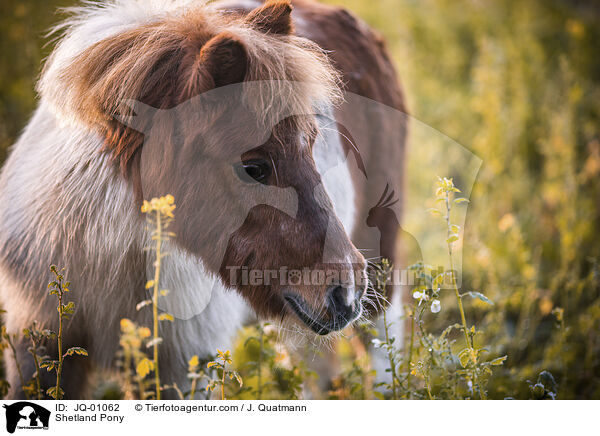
column 26, row 415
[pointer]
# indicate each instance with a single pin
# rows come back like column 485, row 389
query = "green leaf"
column 438, row 281
column 165, row 317
column 238, row 378
column 450, row 328
column 144, row 367
column 461, row 200
column 51, row 392
column 465, row 357
column 498, row 361
column 76, row 350
column 379, row 395
column 48, row 364
column 452, row 238
column 479, row 296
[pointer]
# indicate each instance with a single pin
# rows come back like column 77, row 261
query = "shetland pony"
column 74, row 182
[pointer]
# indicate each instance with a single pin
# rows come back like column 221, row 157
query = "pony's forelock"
column 121, row 50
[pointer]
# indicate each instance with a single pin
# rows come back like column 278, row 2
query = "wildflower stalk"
column 127, row 362
column 178, row 391
column 33, row 334
column 60, row 358
column 132, row 339
column 157, row 266
column 195, row 374
column 223, row 383
column 426, row 378
column 193, row 388
column 38, row 383
column 447, row 188
column 410, row 349
column 382, row 278
column 221, row 362
column 17, row 364
column 391, row 359
column 163, row 209
column 260, row 355
column 58, row 288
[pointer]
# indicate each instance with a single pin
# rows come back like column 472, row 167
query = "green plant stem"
column 179, row 393
column 17, row 364
column 127, row 371
column 155, row 301
column 59, row 341
column 469, row 343
column 260, row 355
column 458, row 297
column 410, row 350
column 426, row 377
column 193, row 388
column 141, row 387
column 390, row 358
column 37, row 368
column 223, row 383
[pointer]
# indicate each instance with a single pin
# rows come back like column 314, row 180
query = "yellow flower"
column 126, row 325
column 224, row 356
column 163, row 205
column 193, row 362
column 144, row 332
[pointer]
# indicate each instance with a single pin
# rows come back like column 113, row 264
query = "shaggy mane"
column 150, row 52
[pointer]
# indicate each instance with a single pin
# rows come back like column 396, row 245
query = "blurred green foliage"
column 517, row 83
column 23, row 46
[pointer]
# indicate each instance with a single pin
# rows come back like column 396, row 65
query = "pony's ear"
column 224, row 57
column 272, row 17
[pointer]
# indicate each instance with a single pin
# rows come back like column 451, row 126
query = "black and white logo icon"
column 26, row 415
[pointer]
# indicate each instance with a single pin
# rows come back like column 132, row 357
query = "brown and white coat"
column 73, row 183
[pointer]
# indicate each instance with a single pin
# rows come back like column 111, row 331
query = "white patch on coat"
column 332, row 164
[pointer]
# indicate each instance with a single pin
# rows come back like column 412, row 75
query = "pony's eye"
column 253, row 170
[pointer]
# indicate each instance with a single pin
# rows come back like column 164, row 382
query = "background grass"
column 515, row 82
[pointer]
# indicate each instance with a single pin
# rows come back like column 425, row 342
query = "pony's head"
column 217, row 110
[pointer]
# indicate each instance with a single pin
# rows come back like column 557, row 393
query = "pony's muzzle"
column 342, row 305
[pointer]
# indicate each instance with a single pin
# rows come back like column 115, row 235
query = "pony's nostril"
column 339, row 296
column 342, row 300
